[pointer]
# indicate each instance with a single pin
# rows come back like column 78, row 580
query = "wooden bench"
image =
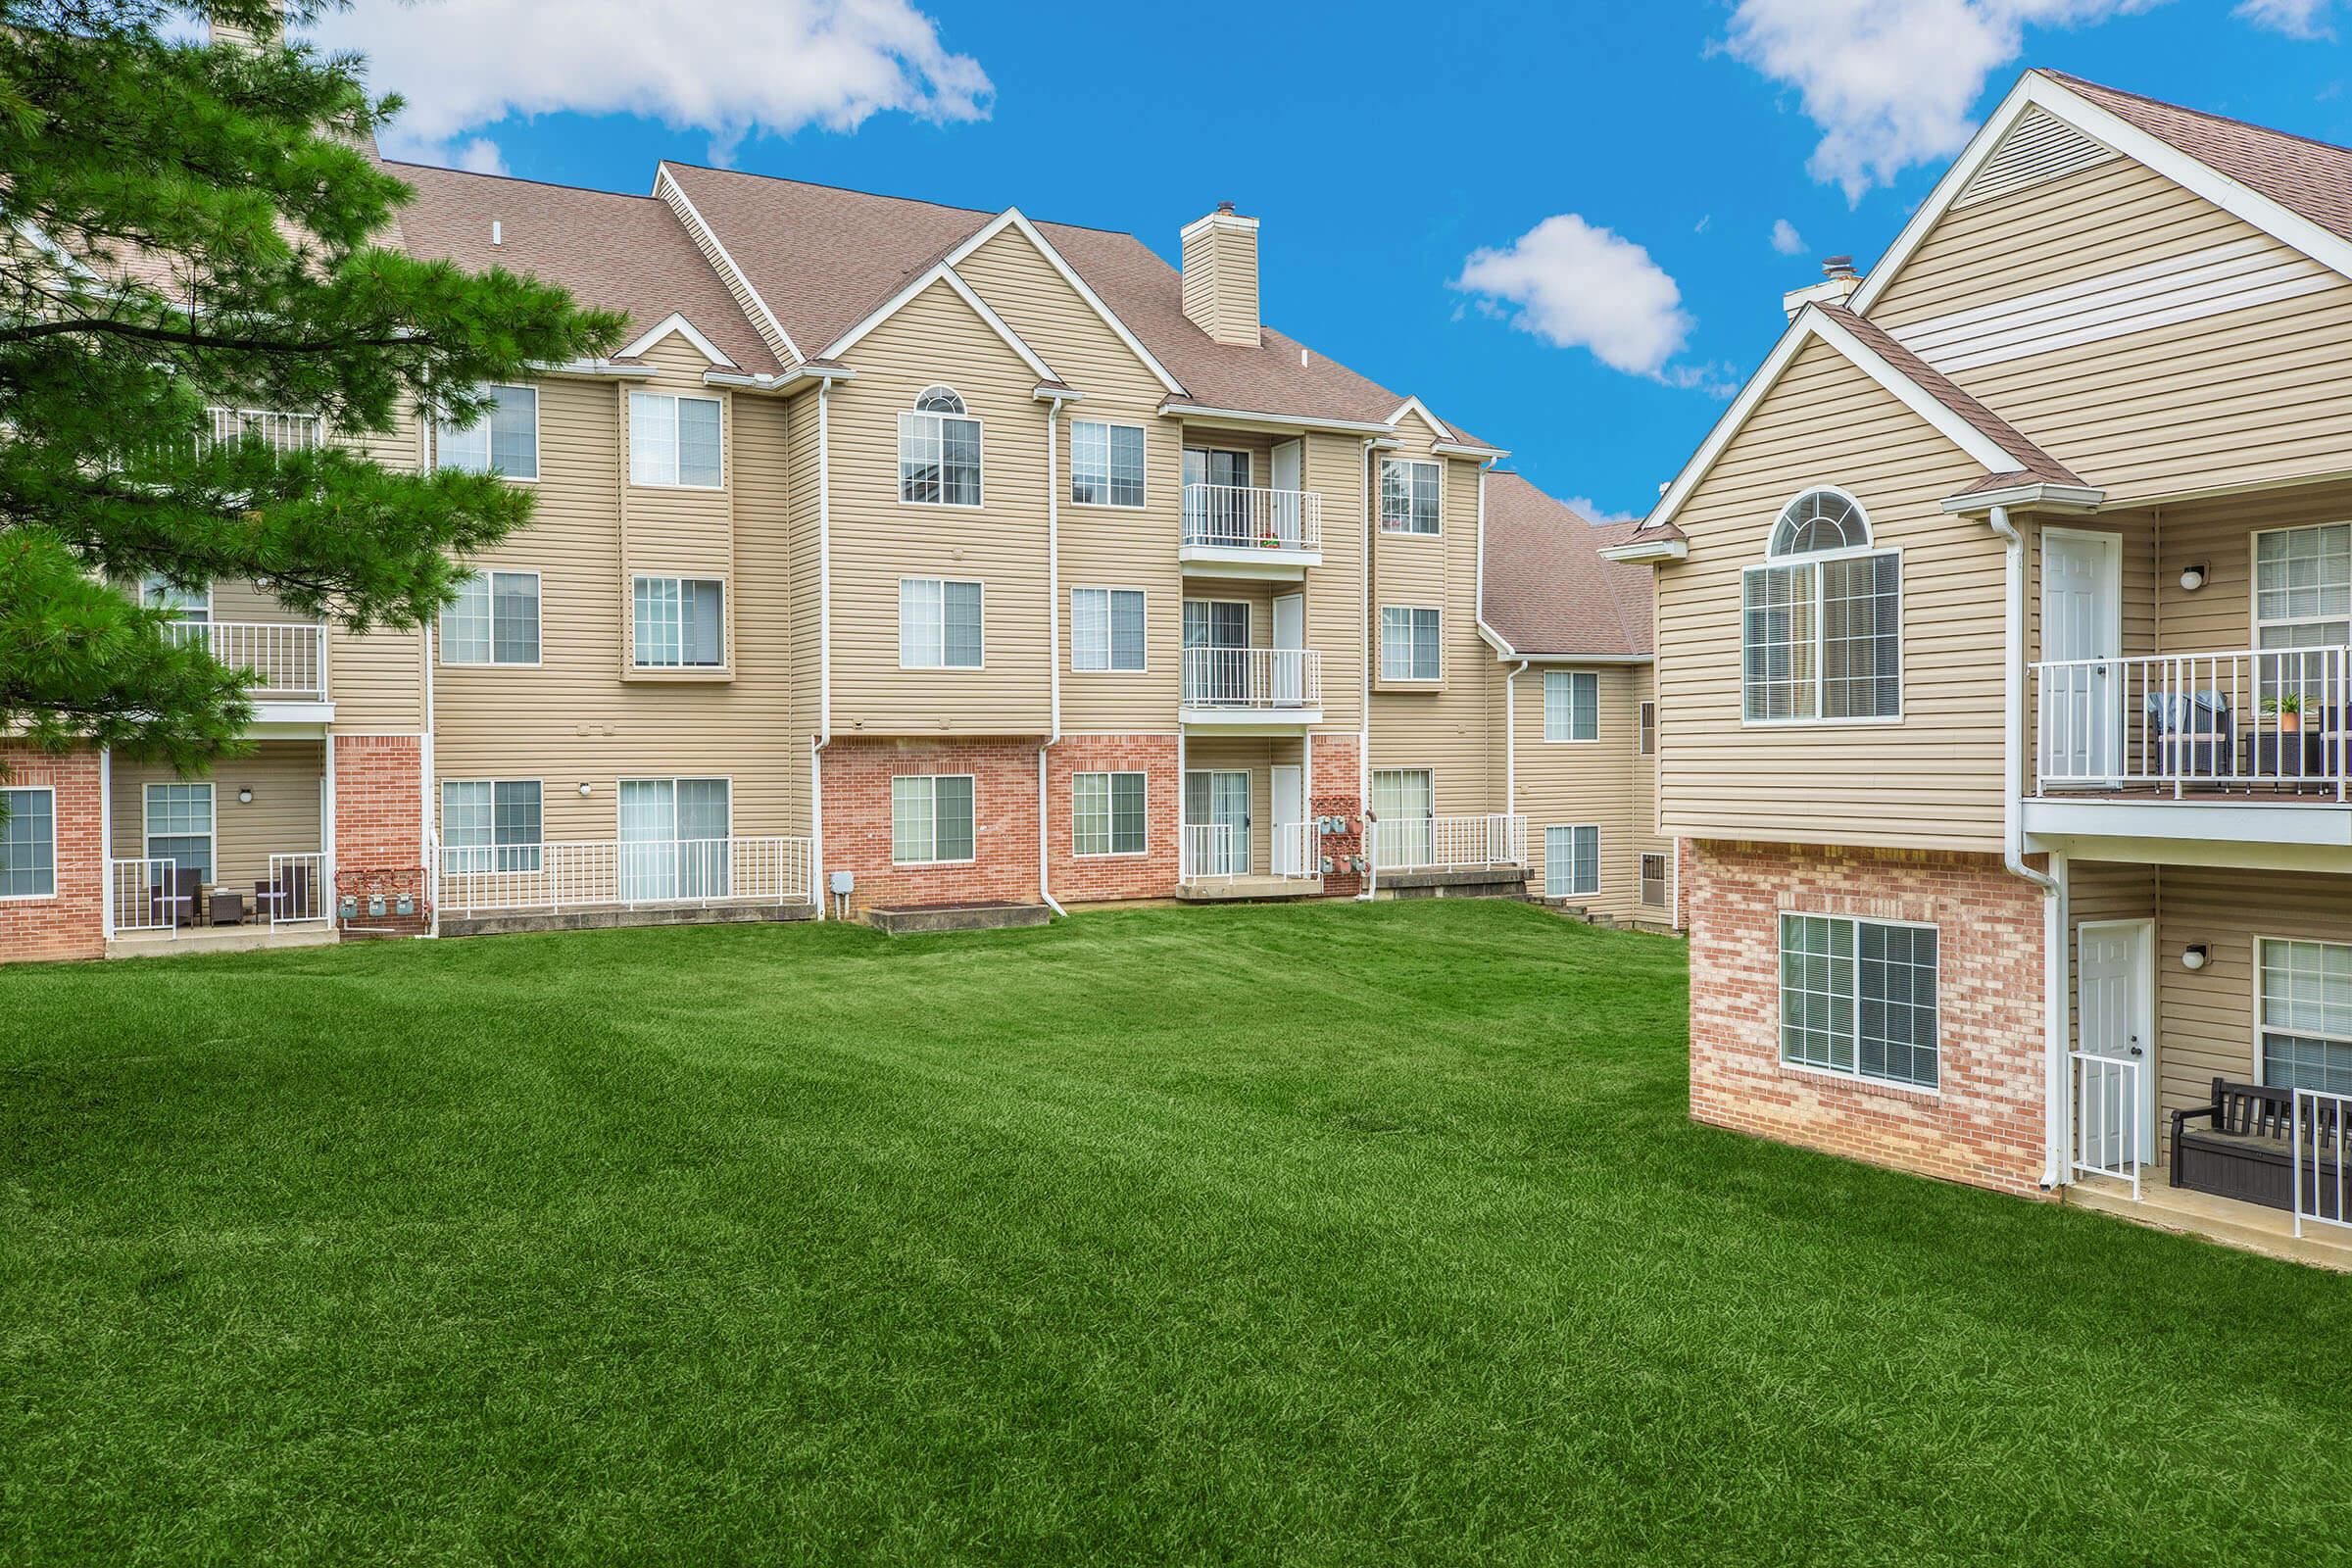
column 2244, row 1148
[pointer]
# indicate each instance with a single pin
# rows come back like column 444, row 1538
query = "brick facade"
column 1338, row 787
column 71, row 924
column 855, row 777
column 1091, row 879
column 1983, row 1123
column 380, row 828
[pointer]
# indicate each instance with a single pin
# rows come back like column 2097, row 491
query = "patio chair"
column 2195, row 733
column 286, row 899
column 178, row 902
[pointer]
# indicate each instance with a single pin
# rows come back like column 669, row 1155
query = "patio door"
column 1289, row 479
column 1290, row 816
column 1220, row 514
column 1403, row 802
column 1290, row 644
column 2115, row 1013
column 1216, row 652
column 673, row 839
column 1219, row 801
column 2081, row 639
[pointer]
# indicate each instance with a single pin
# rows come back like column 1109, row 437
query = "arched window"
column 1821, row 620
column 939, row 451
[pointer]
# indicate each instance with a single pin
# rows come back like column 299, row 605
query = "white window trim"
column 677, row 444
column 538, row 441
column 1591, row 675
column 1439, row 533
column 1387, row 679
column 727, row 621
column 147, row 829
column 1666, row 889
column 151, row 577
column 1774, row 557
column 673, row 780
column 1855, row 1075
column 2255, row 624
column 1109, row 506
column 1600, row 878
column 1077, row 853
column 974, row 582
column 441, row 813
column 538, row 624
column 2254, row 1036
column 972, row 859
column 1645, row 728
column 57, row 882
column 1105, row 588
column 898, row 461
column 1902, row 650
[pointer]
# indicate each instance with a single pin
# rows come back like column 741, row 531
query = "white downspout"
column 105, row 837
column 1052, row 641
column 1510, row 738
column 824, row 648
column 2013, row 855
column 427, row 834
column 1363, row 745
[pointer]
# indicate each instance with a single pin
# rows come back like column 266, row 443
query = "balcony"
column 1449, row 843
column 601, row 881
column 1251, row 531
column 1261, row 690
column 278, row 430
column 2243, row 746
column 285, row 660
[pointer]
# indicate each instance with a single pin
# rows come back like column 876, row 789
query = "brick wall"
column 856, row 780
column 73, row 923
column 1098, row 878
column 1338, row 787
column 379, row 809
column 1983, row 1124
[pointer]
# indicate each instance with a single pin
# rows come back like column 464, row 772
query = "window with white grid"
column 931, row 818
column 2303, row 586
column 939, row 625
column 1106, row 464
column 1571, row 862
column 1571, row 704
column 1106, row 813
column 179, row 826
column 1859, row 996
column 494, row 620
column 1653, row 880
column 1409, row 646
column 939, row 451
column 1106, row 628
column 681, row 623
column 504, row 440
column 1821, row 622
column 1649, row 730
column 1408, row 496
column 28, row 844
column 675, row 441
column 2304, row 1011
column 490, row 824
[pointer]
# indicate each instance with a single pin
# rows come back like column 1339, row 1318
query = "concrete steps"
column 509, row 922
column 926, row 919
column 2250, row 1227
column 1461, row 882
column 1249, row 890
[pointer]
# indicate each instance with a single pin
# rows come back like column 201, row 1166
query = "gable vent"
column 2039, row 148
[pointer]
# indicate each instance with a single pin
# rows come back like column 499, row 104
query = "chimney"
column 1839, row 280
column 231, row 32
column 1220, row 275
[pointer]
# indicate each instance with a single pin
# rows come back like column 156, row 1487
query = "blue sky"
column 1555, row 223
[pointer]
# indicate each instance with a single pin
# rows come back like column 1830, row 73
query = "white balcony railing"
column 2316, row 1132
column 1295, row 850
column 1233, row 516
column 148, row 894
column 155, row 895
column 2108, row 1117
column 1252, row 678
column 2248, row 717
column 287, row 660
column 282, row 431
column 1211, row 851
column 609, row 874
column 1449, row 843
column 296, row 893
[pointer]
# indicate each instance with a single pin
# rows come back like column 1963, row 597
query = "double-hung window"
column 2303, row 586
column 493, row 620
column 1571, row 862
column 1571, row 704
column 674, row 441
column 504, row 440
column 931, row 818
column 939, row 451
column 1106, row 813
column 1858, row 997
column 179, row 826
column 2304, row 1014
column 186, row 604
column 681, row 624
column 1106, row 464
column 28, row 844
column 1106, row 628
column 1408, row 496
column 1409, row 646
column 940, row 624
column 1821, row 620
column 490, row 824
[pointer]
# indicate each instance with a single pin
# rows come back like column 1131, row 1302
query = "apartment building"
column 907, row 556
column 2002, row 639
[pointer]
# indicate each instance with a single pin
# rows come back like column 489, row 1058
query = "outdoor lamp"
column 2192, row 578
column 583, row 789
column 2193, row 958
column 245, row 797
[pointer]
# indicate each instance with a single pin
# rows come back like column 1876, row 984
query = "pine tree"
column 188, row 226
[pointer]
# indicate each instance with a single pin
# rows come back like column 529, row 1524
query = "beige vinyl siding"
column 1606, row 783
column 284, row 818
column 575, row 718
column 1257, row 754
column 2251, row 395
column 680, row 531
column 1454, row 728
column 1931, row 780
column 1334, row 467
column 2218, row 534
column 876, row 539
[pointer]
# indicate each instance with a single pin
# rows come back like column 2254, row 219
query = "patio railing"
column 287, row 660
column 1449, row 843
column 611, row 873
column 2108, row 1117
column 1209, row 851
column 2316, row 1135
column 1253, row 678
column 2245, row 718
column 141, row 894
column 1233, row 516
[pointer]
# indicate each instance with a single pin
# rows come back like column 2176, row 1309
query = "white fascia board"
column 798, row 379
column 1288, row 421
column 1413, row 404
column 2039, row 496
column 782, row 341
column 2034, row 91
column 1648, row 553
column 1967, row 437
column 1012, row 217
column 1458, row 449
column 1497, row 641
column 1581, row 660
column 675, row 322
column 942, row 272
column 600, row 369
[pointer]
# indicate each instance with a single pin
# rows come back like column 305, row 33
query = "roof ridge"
column 519, row 179
column 2070, row 79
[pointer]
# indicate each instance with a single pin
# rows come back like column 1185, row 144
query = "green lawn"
column 1337, row 1235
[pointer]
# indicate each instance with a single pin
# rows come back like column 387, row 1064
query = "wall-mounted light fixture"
column 2192, row 578
column 244, row 796
column 583, row 789
column 2193, row 958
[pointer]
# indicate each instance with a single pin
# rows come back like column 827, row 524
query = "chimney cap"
column 1225, row 208
column 1839, row 266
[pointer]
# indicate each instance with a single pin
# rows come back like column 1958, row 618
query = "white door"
column 2115, row 1121
column 1282, row 510
column 1289, row 658
column 2081, row 636
column 1290, row 819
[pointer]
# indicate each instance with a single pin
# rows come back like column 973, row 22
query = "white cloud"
column 480, row 156
column 2297, row 19
column 1593, row 512
column 1786, row 239
column 1576, row 285
column 731, row 68
column 1890, row 83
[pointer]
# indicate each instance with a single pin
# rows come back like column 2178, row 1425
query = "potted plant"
column 1269, row 540
column 2289, row 711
